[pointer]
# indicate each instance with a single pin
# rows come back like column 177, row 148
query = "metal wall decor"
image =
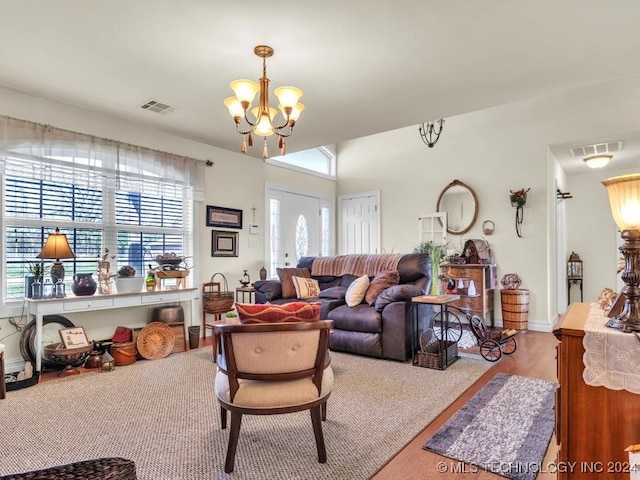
column 430, row 132
column 519, row 200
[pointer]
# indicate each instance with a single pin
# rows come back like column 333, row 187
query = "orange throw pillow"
column 382, row 281
column 271, row 313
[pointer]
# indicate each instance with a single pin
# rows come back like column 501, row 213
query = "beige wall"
column 494, row 151
column 235, row 181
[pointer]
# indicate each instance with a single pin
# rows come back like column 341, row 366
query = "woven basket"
column 435, row 355
column 218, row 302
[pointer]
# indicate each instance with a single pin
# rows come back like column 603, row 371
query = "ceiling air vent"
column 157, row 107
column 595, row 149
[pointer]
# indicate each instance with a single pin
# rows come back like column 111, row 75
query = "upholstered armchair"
column 273, row 368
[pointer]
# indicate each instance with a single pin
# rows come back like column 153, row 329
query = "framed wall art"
column 224, row 217
column 224, row 244
column 74, row 337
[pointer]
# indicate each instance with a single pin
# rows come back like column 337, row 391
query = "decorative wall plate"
column 155, row 341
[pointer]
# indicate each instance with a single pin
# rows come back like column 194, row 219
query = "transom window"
column 317, row 161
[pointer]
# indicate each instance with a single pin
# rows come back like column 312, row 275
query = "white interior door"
column 360, row 223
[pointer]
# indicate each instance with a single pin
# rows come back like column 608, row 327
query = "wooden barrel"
column 515, row 308
column 124, row 353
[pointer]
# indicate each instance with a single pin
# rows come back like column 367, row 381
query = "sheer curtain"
column 28, row 140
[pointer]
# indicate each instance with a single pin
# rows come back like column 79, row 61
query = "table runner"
column 611, row 358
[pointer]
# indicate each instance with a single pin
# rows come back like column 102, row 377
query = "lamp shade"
column 56, row 246
column 624, row 198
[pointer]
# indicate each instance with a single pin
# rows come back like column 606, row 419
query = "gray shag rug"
column 163, row 415
column 505, row 428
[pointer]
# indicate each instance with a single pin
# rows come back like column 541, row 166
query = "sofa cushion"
column 267, row 290
column 306, row 287
column 361, row 318
column 334, row 292
column 286, row 274
column 270, row 313
column 397, row 293
column 380, row 282
column 356, row 291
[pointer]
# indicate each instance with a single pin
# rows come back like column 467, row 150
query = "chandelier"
column 263, row 115
column 430, row 132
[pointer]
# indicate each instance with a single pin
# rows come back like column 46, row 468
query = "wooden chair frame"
column 227, row 364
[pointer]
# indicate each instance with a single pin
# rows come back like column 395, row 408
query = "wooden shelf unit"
column 484, row 279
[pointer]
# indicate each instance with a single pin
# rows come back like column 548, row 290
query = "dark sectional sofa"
column 382, row 330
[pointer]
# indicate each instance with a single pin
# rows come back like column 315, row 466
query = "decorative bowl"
column 129, row 284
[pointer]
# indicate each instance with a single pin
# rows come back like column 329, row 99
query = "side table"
column 245, row 290
column 443, row 301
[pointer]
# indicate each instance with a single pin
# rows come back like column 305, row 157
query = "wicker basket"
column 218, row 302
column 435, row 354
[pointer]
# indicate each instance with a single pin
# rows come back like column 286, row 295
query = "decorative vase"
column 84, row 284
column 263, row 273
column 435, row 278
column 104, row 278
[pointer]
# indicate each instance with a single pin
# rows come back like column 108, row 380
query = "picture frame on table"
column 224, row 217
column 74, row 337
column 224, row 244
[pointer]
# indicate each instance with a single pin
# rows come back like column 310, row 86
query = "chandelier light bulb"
column 234, row 106
column 288, row 96
column 245, row 90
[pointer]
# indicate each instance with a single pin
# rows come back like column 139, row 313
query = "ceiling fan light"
column 245, row 90
column 288, row 96
column 597, row 161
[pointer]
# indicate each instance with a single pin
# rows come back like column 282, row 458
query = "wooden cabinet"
column 594, row 425
column 484, row 280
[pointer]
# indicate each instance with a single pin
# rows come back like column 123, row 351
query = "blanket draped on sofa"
column 357, row 264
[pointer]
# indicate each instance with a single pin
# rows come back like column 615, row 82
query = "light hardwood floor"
column 535, row 357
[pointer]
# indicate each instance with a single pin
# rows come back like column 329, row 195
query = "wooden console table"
column 594, row 425
column 40, row 308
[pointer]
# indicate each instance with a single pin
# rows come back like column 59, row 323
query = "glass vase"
column 104, row 278
column 435, row 278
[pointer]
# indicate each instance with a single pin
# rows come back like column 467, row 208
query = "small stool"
column 3, row 386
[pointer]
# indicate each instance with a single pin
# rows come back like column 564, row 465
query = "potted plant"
column 35, row 271
column 437, row 253
column 231, row 316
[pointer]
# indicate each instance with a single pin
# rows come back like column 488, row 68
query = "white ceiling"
column 365, row 66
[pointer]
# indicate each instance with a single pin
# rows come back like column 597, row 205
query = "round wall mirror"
column 461, row 204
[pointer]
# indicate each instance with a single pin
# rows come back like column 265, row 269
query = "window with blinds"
column 136, row 217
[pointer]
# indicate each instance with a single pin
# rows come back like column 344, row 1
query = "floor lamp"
column 624, row 198
column 55, row 248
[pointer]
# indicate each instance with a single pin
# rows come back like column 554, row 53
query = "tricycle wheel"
column 509, row 346
column 490, row 350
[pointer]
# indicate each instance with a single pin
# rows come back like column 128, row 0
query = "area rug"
column 163, row 415
column 505, row 428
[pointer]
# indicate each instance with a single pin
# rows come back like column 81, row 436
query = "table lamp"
column 56, row 247
column 624, row 198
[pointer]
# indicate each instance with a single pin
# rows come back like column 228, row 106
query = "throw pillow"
column 285, row 274
column 306, row 287
column 356, row 291
column 382, row 281
column 271, row 313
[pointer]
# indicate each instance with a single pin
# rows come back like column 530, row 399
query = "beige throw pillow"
column 306, row 287
column 356, row 291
